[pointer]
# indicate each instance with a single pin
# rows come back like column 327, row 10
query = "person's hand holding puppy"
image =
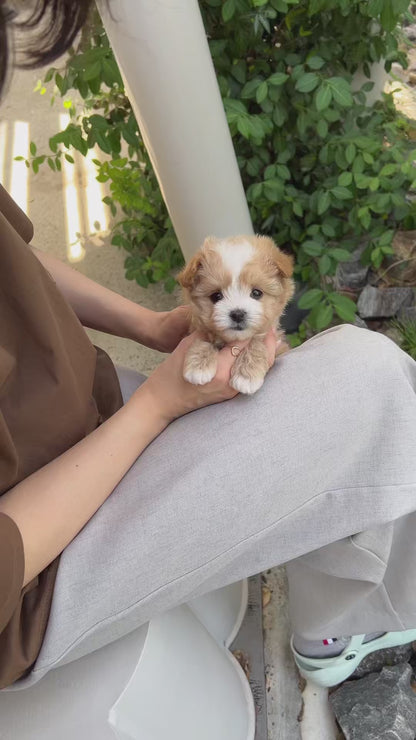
column 174, row 396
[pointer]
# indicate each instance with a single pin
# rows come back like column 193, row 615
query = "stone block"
column 383, row 302
column 380, row 706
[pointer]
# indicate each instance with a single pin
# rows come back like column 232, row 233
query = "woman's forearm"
column 52, row 505
column 98, row 307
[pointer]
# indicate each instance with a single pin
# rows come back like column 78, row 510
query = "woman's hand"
column 166, row 328
column 174, row 396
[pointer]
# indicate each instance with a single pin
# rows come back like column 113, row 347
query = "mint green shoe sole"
column 332, row 671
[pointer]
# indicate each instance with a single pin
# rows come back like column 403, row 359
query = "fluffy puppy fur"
column 237, row 289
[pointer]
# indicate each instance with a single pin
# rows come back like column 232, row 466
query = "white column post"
column 164, row 58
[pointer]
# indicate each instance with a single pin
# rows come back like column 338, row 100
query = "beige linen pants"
column 316, row 470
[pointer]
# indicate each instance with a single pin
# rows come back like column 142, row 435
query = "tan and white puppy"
column 237, row 289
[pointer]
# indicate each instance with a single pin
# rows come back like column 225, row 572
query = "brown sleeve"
column 15, row 216
column 12, row 564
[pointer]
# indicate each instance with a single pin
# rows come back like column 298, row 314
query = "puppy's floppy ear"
column 189, row 274
column 283, row 262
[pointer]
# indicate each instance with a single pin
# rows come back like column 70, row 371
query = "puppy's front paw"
column 200, row 363
column 199, row 375
column 246, row 385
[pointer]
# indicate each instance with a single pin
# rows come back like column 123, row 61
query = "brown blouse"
column 55, row 388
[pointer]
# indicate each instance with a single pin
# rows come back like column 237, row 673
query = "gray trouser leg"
column 318, row 468
column 364, row 583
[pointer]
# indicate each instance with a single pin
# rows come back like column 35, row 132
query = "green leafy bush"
column 323, row 172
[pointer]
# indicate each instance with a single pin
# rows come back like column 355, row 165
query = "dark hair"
column 52, row 26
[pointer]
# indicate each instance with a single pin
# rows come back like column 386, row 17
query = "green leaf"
column 261, row 93
column 323, row 97
column 313, row 248
column 310, row 298
column 273, row 190
column 279, row 116
column 344, row 307
column 283, row 172
column 321, row 316
column 328, row 229
column 364, row 216
column 341, row 193
column 234, row 108
column 239, row 71
column 389, row 15
column 368, row 86
column 228, row 10
column 243, row 126
column 95, row 85
column 302, row 122
column 388, row 169
column 345, row 179
column 386, row 238
column 36, row 162
column 375, row 7
column 59, row 82
column 350, row 153
column 69, row 158
column 111, row 73
column 49, row 74
column 322, row 128
column 307, row 82
column 324, row 201
column 332, row 115
column 33, row 148
column 99, row 122
column 324, row 264
column 377, row 257
column 278, row 78
column 341, row 91
column 341, row 255
column 315, row 62
column 249, row 89
column 362, row 181
column 367, row 157
column 297, row 208
column 358, row 165
column 92, row 71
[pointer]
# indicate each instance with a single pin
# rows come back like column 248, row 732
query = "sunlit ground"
column 85, row 213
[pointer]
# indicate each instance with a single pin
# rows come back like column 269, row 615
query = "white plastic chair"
column 171, row 679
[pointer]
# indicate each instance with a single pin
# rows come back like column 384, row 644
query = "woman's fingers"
column 272, row 345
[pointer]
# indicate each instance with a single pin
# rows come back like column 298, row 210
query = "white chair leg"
column 222, row 611
column 185, row 686
column 163, row 54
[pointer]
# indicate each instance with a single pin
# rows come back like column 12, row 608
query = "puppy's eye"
column 256, row 293
column 215, row 297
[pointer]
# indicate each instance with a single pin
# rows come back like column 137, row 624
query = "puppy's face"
column 237, row 287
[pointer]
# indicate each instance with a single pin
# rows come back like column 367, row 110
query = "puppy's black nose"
column 238, row 315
